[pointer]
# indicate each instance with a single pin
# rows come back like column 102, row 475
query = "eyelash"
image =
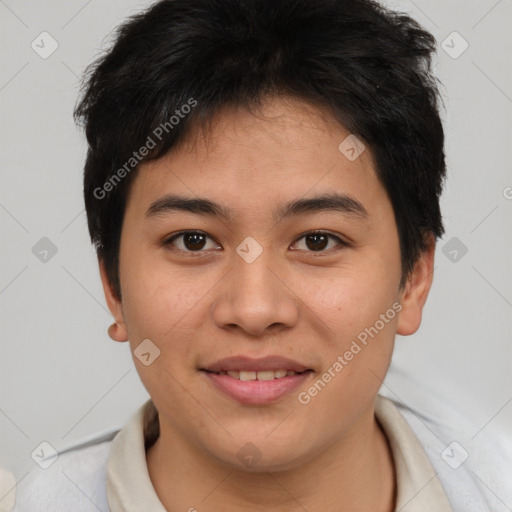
column 169, row 241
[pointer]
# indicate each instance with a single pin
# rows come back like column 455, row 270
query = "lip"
column 258, row 364
column 257, row 392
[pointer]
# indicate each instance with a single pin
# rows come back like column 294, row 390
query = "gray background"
column 63, row 379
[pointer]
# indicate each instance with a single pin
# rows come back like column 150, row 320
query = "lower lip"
column 257, row 392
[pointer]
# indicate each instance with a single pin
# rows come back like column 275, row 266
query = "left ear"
column 415, row 293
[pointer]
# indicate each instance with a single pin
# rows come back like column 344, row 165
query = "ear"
column 415, row 293
column 116, row 331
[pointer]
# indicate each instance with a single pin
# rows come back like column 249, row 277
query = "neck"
column 355, row 473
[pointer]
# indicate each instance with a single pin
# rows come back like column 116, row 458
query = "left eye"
column 318, row 241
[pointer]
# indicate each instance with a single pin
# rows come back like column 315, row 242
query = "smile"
column 256, row 387
column 257, row 375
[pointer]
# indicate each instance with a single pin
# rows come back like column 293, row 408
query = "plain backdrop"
column 62, row 379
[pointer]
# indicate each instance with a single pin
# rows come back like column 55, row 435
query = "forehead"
column 285, row 149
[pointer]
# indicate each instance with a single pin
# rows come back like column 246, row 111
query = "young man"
column 262, row 187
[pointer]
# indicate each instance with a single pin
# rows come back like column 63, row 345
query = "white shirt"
column 112, row 474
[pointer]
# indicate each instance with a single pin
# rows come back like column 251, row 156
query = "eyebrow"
column 342, row 203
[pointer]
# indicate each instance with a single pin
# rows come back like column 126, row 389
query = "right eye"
column 191, row 241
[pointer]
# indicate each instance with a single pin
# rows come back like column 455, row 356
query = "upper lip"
column 245, row 363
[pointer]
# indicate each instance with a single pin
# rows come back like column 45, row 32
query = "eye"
column 318, row 241
column 197, row 241
column 191, row 241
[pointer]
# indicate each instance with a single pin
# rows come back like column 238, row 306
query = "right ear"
column 116, row 331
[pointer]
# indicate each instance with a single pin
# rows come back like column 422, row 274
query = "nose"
column 255, row 298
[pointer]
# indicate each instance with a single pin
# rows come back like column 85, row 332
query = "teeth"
column 260, row 375
column 265, row 375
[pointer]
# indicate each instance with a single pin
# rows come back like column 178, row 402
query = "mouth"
column 256, row 381
column 266, row 375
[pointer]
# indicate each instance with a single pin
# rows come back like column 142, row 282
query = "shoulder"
column 75, row 480
column 471, row 470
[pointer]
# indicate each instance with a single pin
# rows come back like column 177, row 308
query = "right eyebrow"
column 201, row 206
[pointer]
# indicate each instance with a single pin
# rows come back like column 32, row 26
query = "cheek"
column 349, row 299
column 167, row 308
column 163, row 303
column 356, row 357
column 359, row 307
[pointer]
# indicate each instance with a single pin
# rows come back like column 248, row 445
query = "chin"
column 263, row 455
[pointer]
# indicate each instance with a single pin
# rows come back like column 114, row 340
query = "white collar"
column 129, row 487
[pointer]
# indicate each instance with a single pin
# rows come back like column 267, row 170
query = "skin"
column 307, row 305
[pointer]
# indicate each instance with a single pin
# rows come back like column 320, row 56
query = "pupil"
column 317, row 241
column 194, row 241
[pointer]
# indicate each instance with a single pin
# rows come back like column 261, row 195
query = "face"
column 288, row 260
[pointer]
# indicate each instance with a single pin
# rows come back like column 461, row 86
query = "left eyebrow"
column 343, row 203
column 201, row 206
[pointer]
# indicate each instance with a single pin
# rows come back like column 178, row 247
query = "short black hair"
column 174, row 65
